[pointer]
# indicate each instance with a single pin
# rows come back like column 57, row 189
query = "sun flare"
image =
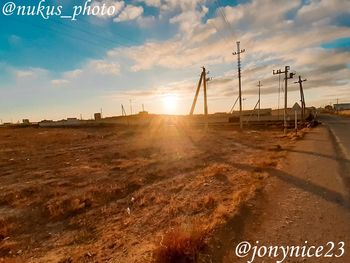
column 170, row 103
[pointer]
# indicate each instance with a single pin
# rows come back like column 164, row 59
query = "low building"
column 25, row 121
column 341, row 106
column 98, row 116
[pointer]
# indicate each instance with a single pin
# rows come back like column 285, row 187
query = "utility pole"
column 205, row 91
column 337, row 106
column 286, row 77
column 203, row 78
column 259, row 85
column 143, row 108
column 302, row 98
column 238, row 53
column 130, row 107
column 123, row 111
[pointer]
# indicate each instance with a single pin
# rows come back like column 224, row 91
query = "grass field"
column 125, row 195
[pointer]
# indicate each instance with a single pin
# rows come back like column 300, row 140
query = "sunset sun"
column 170, row 103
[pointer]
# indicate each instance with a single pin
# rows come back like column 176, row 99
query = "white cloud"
column 59, row 82
column 24, row 73
column 130, row 12
column 104, row 67
column 29, row 73
column 317, row 10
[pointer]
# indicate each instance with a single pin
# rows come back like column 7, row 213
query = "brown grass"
column 117, row 193
column 180, row 246
column 67, row 207
column 6, row 226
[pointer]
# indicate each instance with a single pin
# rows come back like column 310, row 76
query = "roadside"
column 305, row 200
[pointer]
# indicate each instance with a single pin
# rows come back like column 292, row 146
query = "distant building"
column 342, row 106
column 98, row 116
column 25, row 121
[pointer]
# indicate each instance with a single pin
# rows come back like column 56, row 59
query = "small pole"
column 259, row 100
column 337, row 106
column 130, row 107
column 296, row 121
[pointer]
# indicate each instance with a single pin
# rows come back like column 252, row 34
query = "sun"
column 170, row 103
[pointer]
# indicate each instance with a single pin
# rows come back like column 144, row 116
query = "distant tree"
column 329, row 108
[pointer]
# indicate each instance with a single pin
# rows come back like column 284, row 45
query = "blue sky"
column 149, row 50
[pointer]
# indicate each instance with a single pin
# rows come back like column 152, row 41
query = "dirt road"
column 306, row 200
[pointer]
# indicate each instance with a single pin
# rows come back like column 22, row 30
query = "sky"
column 151, row 52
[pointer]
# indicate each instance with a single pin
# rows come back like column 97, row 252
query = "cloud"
column 103, row 67
column 24, row 73
column 146, row 21
column 29, row 73
column 59, row 82
column 320, row 10
column 130, row 12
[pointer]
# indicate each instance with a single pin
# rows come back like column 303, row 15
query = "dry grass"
column 6, row 226
column 181, row 245
column 114, row 193
column 67, row 207
column 345, row 113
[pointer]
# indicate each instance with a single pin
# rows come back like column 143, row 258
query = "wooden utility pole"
column 123, row 111
column 259, row 85
column 125, row 115
column 302, row 98
column 286, row 77
column 205, row 92
column 203, row 78
column 238, row 53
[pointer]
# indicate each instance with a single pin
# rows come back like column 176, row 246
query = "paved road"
column 340, row 129
column 307, row 200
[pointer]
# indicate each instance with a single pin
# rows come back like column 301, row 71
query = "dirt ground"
column 112, row 194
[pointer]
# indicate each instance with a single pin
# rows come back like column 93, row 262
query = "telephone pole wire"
column 238, row 53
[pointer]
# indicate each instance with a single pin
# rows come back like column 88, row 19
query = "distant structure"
column 341, row 106
column 143, row 112
column 98, row 116
column 25, row 121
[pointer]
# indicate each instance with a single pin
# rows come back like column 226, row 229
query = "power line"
column 220, row 8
